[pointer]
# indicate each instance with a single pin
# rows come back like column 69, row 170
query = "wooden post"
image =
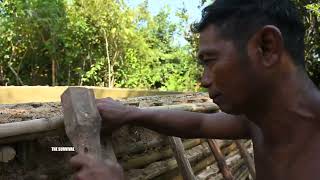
column 247, row 158
column 182, row 161
column 220, row 160
column 83, row 122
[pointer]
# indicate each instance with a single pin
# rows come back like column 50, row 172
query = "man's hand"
column 88, row 168
column 114, row 113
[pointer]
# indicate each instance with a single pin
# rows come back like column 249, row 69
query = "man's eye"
column 205, row 62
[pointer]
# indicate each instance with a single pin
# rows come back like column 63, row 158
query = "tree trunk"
column 2, row 83
column 53, row 71
column 108, row 57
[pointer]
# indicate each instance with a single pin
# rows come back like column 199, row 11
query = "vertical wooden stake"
column 220, row 160
column 183, row 163
column 247, row 158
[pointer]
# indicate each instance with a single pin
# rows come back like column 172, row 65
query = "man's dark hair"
column 238, row 20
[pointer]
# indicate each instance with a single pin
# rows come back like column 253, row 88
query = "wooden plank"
column 224, row 169
column 183, row 163
column 247, row 158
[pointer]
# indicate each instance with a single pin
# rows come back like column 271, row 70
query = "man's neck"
column 291, row 111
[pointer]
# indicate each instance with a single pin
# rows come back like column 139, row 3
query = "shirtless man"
column 252, row 52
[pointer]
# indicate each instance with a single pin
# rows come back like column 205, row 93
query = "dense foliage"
column 106, row 43
column 92, row 42
column 312, row 39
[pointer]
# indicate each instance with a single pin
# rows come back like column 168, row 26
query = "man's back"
column 294, row 156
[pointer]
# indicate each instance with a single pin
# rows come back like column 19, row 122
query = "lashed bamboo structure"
column 142, row 159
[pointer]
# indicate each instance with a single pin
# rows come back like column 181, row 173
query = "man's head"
column 245, row 45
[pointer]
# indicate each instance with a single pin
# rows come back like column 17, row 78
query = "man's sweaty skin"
column 263, row 94
column 281, row 115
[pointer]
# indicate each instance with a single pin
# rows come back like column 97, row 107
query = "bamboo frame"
column 18, row 131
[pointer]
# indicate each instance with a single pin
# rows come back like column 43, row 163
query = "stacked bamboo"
column 144, row 154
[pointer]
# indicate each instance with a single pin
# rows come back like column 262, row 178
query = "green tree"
column 93, row 42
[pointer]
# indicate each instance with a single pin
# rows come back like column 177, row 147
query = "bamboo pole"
column 220, row 159
column 29, row 127
column 18, row 131
column 248, row 159
column 199, row 157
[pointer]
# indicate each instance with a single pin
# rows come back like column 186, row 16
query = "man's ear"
column 266, row 46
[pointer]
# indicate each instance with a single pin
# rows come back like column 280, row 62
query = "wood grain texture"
column 224, row 169
column 183, row 163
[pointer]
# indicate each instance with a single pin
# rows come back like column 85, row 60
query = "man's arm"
column 176, row 123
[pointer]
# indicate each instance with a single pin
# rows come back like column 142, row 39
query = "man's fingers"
column 82, row 175
column 81, row 160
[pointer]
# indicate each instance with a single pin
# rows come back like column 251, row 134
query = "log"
column 161, row 168
column 141, row 161
column 242, row 172
column 156, row 169
column 183, row 163
column 196, row 166
column 212, row 170
column 233, row 159
column 139, row 147
column 146, row 159
column 19, row 131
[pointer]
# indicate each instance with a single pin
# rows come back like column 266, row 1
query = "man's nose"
column 205, row 80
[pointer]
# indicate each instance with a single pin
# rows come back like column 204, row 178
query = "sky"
column 156, row 5
column 192, row 7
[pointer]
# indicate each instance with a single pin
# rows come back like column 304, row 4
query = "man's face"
column 226, row 76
